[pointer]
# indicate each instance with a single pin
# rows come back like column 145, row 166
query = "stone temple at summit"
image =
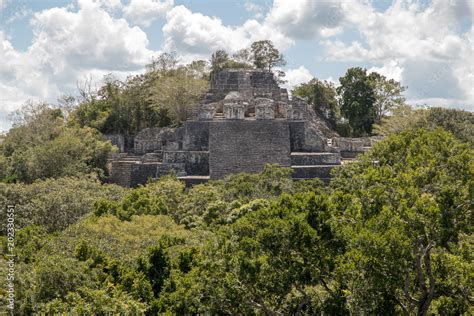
column 244, row 122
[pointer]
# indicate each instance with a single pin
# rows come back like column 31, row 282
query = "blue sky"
column 48, row 47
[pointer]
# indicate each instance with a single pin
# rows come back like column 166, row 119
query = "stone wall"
column 197, row 163
column 251, row 83
column 141, row 173
column 196, row 136
column 156, row 139
column 297, row 134
column 247, row 145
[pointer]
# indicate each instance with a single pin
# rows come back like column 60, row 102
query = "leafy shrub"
column 160, row 197
column 54, row 203
column 86, row 301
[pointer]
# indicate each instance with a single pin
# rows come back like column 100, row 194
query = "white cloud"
column 296, row 77
column 198, row 35
column 90, row 38
column 306, row 19
column 69, row 46
column 423, row 46
column 145, row 12
column 3, row 4
column 254, row 8
column 391, row 70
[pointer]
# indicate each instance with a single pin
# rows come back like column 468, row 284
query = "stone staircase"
column 122, row 169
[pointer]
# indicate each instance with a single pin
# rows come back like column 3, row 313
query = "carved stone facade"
column 264, row 109
column 245, row 121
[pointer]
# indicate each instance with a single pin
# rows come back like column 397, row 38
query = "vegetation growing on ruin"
column 392, row 233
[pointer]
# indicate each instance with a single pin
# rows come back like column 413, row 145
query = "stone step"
column 121, row 173
column 193, row 180
column 164, row 169
column 314, row 171
column 177, row 156
column 130, row 160
column 308, row 159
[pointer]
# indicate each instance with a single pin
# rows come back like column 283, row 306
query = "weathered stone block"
column 309, row 172
column 298, row 111
column 308, row 159
column 207, row 111
column 264, row 109
column 234, row 111
column 247, row 145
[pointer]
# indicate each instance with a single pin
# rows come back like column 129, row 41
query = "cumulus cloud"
column 297, row 76
column 68, row 46
column 306, row 19
column 391, row 70
column 254, row 8
column 423, row 46
column 198, row 35
column 3, row 4
column 145, row 12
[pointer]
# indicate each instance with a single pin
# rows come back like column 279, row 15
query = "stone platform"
column 244, row 122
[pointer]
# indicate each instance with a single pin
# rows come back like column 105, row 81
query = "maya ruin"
column 244, row 122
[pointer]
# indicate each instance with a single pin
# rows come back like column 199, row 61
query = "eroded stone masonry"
column 244, row 122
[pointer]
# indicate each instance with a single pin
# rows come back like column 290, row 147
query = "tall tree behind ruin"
column 266, row 55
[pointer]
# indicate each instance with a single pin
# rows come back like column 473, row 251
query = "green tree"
column 401, row 118
column 164, row 95
column 244, row 57
column 460, row 123
column 265, row 55
column 55, row 203
column 41, row 146
column 402, row 210
column 357, row 100
column 88, row 301
column 322, row 96
column 388, row 95
column 178, row 93
column 277, row 259
column 219, row 60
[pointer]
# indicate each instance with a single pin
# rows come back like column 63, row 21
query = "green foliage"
column 460, row 123
column 156, row 266
column 94, row 302
column 265, row 55
column 260, row 55
column 162, row 96
column 220, row 60
column 41, row 147
column 322, row 96
column 387, row 93
column 158, row 197
column 252, row 268
column 56, row 276
column 357, row 100
column 178, row 93
column 401, row 118
column 54, row 203
column 210, row 204
column 28, row 241
column 400, row 209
